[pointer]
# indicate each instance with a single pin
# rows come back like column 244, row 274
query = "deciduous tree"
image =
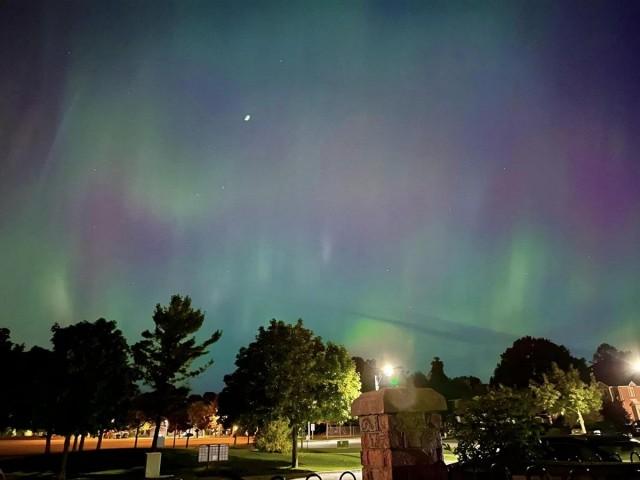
column 289, row 373
column 498, row 427
column 564, row 393
column 96, row 380
column 529, row 358
column 11, row 379
column 612, row 366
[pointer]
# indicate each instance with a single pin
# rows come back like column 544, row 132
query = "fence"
column 342, row 431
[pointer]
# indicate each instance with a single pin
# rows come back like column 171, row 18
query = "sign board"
column 213, row 453
column 313, row 427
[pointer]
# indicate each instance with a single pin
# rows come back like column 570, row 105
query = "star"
column 247, row 117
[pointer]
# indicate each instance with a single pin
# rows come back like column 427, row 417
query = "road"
column 33, row 446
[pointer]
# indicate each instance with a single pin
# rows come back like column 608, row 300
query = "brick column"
column 400, row 433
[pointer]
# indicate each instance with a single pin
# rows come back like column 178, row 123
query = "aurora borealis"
column 411, row 178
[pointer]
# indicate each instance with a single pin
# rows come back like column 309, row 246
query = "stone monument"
column 400, row 434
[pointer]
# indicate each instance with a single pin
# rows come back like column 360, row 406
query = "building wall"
column 629, row 397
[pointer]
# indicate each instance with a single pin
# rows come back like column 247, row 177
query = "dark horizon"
column 413, row 179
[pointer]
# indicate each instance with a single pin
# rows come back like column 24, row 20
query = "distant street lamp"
column 387, row 371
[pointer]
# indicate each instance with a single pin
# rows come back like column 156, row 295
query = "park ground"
column 244, row 461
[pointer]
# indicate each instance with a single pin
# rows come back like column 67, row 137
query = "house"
column 629, row 397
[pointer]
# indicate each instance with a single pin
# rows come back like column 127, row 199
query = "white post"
column 152, row 469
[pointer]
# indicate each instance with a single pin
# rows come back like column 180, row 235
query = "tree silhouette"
column 165, row 355
column 11, row 362
column 97, row 379
column 367, row 370
column 452, row 388
column 289, row 373
column 38, row 411
column 612, row 366
column 529, row 358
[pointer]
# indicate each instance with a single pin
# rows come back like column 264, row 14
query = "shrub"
column 498, row 427
column 274, row 437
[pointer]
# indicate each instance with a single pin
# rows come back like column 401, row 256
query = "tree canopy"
column 529, row 358
column 612, row 366
column 452, row 388
column 9, row 373
column 367, row 370
column 166, row 354
column 96, row 380
column 498, row 427
column 564, row 393
column 288, row 373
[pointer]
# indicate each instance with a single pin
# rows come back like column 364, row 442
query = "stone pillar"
column 400, row 434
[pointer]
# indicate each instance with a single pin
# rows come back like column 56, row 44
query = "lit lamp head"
column 635, row 365
column 387, row 370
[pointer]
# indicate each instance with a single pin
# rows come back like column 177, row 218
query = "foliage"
column 498, row 427
column 166, row 354
column 96, row 386
column 274, row 437
column 95, row 379
column 202, row 413
column 612, row 366
column 10, row 364
column 367, row 371
column 289, row 373
column 452, row 388
column 39, row 392
column 177, row 413
column 529, row 358
column 614, row 413
column 564, row 393
column 340, row 385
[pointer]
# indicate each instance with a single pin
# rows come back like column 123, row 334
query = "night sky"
column 411, row 178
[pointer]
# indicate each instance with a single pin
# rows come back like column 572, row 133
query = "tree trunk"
column 294, row 445
column 81, row 446
column 75, row 442
column 47, row 442
column 65, row 456
column 156, row 433
column 135, row 442
column 581, row 421
column 100, row 435
column 188, row 437
column 175, row 432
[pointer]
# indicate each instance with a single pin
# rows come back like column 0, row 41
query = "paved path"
column 323, row 443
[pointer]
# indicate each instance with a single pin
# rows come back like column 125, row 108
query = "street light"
column 635, row 365
column 387, row 371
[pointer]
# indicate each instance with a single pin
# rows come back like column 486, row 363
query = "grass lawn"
column 128, row 463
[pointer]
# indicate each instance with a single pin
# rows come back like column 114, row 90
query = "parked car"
column 591, row 448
